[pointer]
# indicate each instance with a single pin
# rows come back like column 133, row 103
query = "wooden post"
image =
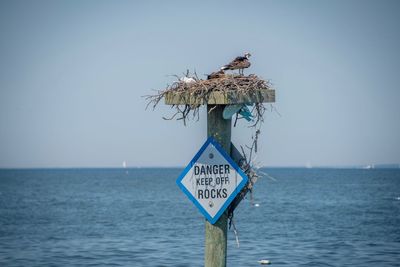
column 220, row 129
column 216, row 235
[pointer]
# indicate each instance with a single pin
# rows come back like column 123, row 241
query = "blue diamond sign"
column 212, row 180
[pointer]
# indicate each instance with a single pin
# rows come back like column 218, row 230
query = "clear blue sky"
column 72, row 74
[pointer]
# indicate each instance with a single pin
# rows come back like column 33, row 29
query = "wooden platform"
column 221, row 98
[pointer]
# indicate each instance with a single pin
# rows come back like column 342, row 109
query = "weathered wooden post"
column 216, row 235
column 220, row 129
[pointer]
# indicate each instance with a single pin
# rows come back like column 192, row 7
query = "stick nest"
column 201, row 90
column 239, row 83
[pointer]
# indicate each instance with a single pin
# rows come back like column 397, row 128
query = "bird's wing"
column 239, row 59
column 227, row 66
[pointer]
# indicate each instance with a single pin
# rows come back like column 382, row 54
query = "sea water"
column 139, row 217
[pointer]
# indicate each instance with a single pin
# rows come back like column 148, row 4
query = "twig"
column 202, row 89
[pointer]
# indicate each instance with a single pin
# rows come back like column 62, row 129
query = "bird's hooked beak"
column 247, row 55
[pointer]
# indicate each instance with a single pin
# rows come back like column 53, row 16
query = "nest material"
column 239, row 83
column 201, row 89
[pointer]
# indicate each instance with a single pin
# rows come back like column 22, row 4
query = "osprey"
column 216, row 74
column 238, row 63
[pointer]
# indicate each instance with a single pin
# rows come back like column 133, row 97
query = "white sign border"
column 212, row 141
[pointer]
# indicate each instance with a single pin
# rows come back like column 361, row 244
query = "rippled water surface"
column 110, row 217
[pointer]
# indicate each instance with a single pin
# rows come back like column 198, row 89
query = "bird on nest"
column 239, row 63
column 216, row 75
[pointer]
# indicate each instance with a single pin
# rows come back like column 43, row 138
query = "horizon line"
column 355, row 166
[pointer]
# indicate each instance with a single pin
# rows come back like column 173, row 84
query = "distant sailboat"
column 124, row 166
column 367, row 167
column 308, row 165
